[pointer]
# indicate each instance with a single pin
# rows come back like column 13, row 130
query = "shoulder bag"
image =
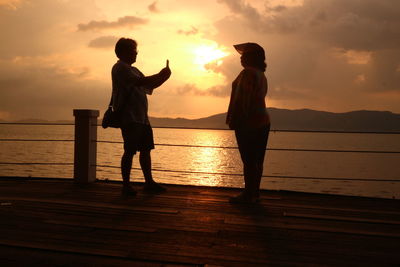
column 111, row 117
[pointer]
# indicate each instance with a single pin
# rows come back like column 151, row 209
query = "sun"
column 206, row 54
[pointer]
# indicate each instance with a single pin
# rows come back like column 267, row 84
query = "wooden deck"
column 57, row 223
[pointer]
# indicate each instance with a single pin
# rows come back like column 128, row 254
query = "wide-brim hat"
column 249, row 47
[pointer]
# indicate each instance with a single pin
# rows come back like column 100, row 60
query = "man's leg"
column 126, row 166
column 259, row 173
column 145, row 164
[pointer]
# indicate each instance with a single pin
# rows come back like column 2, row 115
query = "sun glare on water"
column 206, row 54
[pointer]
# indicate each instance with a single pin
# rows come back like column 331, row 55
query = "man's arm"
column 148, row 82
column 154, row 81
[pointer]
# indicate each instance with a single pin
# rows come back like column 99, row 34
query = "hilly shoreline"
column 303, row 119
column 284, row 119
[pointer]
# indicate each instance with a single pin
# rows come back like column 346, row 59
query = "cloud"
column 127, row 21
column 219, row 90
column 229, row 68
column 42, row 27
column 331, row 54
column 241, row 7
column 10, row 4
column 370, row 25
column 192, row 31
column 153, row 7
column 244, row 9
column 382, row 75
column 103, row 42
column 285, row 93
column 189, row 89
column 355, row 56
column 36, row 90
column 322, row 48
column 278, row 8
column 192, row 89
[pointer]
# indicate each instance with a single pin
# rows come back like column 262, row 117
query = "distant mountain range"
column 303, row 119
column 284, row 119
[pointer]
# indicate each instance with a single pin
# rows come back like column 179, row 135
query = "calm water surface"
column 215, row 166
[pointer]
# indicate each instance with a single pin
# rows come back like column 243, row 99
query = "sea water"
column 210, row 158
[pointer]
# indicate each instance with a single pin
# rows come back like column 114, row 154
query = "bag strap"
column 129, row 93
column 123, row 102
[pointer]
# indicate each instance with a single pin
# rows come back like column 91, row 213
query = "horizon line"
column 174, row 118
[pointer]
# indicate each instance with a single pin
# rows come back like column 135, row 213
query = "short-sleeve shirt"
column 128, row 96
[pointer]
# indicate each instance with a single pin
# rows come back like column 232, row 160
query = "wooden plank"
column 100, row 225
column 189, row 222
column 340, row 218
column 195, row 225
column 99, row 252
column 321, row 207
column 304, row 227
column 19, row 256
column 95, row 205
column 100, row 243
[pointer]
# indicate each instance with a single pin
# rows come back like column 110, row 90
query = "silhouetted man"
column 130, row 90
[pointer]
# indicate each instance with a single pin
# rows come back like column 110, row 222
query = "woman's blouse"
column 247, row 108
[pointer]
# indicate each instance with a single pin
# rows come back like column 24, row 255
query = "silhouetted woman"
column 248, row 116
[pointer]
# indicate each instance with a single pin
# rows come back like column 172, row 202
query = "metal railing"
column 202, row 146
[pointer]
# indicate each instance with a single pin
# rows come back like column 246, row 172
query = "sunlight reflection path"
column 207, row 159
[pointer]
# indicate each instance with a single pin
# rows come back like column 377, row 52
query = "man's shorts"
column 137, row 137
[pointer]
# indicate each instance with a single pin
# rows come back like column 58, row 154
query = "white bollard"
column 85, row 145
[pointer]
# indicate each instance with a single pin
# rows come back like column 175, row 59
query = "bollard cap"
column 86, row 112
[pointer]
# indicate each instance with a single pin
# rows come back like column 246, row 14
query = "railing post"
column 85, row 145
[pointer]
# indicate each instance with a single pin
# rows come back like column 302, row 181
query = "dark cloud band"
column 121, row 22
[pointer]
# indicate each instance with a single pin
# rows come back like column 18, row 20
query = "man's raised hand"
column 167, row 70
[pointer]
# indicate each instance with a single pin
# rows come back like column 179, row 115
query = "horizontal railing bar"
column 35, row 163
column 36, row 140
column 37, row 123
column 333, row 150
column 219, row 129
column 266, row 176
column 110, row 142
column 218, row 147
column 275, row 149
column 217, row 173
column 289, row 149
column 332, row 178
column 287, row 130
column 333, row 131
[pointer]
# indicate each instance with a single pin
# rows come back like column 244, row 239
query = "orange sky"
column 333, row 55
